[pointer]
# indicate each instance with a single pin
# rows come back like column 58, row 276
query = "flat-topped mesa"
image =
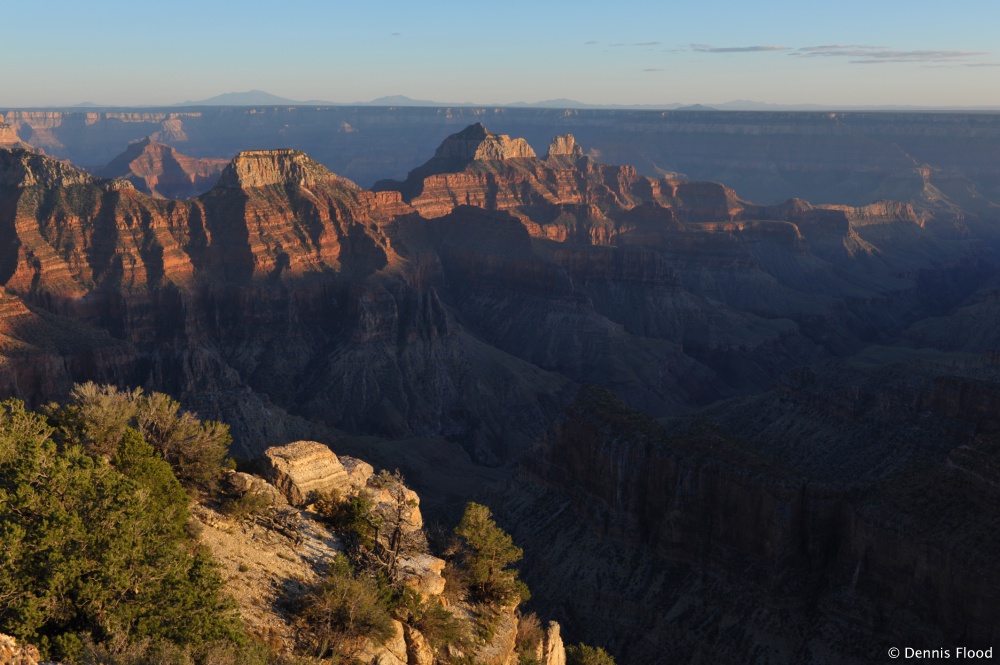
column 8, row 134
column 9, row 138
column 564, row 145
column 476, row 143
column 265, row 168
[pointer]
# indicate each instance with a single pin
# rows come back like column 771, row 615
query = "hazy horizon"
column 912, row 54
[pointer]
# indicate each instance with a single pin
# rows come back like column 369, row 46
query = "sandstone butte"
column 158, row 169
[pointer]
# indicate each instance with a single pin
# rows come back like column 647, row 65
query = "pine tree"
column 488, row 551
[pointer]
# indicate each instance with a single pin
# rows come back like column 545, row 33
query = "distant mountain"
column 403, row 100
column 253, row 98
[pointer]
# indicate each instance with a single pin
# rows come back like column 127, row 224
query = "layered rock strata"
column 304, row 470
column 160, row 170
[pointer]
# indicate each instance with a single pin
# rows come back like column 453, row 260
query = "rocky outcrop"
column 158, row 169
column 240, row 483
column 564, row 145
column 476, row 143
column 418, row 650
column 266, row 168
column 550, row 650
column 393, row 652
column 11, row 653
column 502, row 649
column 304, row 470
column 423, row 573
column 358, row 471
column 9, row 140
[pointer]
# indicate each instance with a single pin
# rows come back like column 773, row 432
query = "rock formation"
column 812, row 513
column 767, row 157
column 9, row 140
column 160, row 170
column 476, row 143
column 550, row 650
column 564, row 145
column 11, row 653
column 305, row 470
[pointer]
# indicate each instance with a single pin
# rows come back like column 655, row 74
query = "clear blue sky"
column 848, row 52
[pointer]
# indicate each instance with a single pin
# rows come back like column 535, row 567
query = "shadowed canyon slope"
column 469, row 302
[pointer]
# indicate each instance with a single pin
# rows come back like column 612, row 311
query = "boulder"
column 418, row 651
column 244, row 483
column 358, row 472
column 423, row 573
column 304, row 469
column 13, row 654
column 393, row 652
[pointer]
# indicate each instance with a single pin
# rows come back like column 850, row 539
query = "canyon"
column 721, row 430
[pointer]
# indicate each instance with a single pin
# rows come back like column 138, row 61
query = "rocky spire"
column 564, row 145
column 476, row 143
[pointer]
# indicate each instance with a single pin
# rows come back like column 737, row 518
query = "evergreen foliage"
column 93, row 547
column 581, row 654
column 486, row 555
column 97, row 417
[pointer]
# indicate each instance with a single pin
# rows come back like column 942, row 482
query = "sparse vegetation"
column 581, row 654
column 376, row 533
column 343, row 611
column 247, row 505
column 529, row 637
column 96, row 416
column 435, row 622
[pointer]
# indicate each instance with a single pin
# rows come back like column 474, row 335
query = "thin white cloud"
column 963, row 64
column 875, row 55
column 705, row 48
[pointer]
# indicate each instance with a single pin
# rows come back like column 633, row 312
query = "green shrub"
column 529, row 636
column 485, row 556
column 581, row 654
column 342, row 611
column 248, row 505
column 96, row 549
column 97, row 416
column 436, row 623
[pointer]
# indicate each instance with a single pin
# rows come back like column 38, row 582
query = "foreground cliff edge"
column 326, row 561
column 819, row 514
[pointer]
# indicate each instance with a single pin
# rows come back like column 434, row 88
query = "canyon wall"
column 850, row 157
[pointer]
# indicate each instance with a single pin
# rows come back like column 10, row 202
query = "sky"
column 845, row 53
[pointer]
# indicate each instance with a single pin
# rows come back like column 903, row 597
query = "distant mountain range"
column 262, row 98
